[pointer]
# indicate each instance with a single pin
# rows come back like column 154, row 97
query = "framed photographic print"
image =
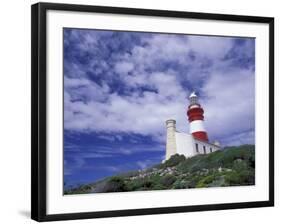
column 140, row 111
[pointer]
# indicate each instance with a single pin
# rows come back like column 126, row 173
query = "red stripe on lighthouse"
column 195, row 114
column 200, row 135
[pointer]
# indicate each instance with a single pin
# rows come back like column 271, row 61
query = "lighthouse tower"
column 189, row 144
column 195, row 115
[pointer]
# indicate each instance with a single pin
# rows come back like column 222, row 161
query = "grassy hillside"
column 232, row 166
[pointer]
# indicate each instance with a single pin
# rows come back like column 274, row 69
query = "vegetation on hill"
column 232, row 166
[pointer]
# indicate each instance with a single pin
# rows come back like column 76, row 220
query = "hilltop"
column 232, row 166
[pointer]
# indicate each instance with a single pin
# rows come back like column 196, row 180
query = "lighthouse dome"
column 192, row 95
column 193, row 99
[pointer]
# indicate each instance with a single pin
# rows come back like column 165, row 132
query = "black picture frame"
column 39, row 107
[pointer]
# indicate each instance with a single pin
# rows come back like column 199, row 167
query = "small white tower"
column 171, row 147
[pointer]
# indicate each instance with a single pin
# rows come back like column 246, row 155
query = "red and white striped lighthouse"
column 195, row 115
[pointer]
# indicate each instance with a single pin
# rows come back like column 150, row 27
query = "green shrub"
column 233, row 178
column 158, row 187
column 240, row 165
column 147, row 183
column 205, row 181
column 114, row 184
column 174, row 160
column 180, row 184
column 168, row 180
column 134, row 185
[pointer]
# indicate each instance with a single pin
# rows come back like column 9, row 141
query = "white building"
column 185, row 144
column 197, row 141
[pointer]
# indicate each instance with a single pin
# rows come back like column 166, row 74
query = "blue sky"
column 120, row 87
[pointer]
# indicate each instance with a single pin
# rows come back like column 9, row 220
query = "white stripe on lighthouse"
column 196, row 126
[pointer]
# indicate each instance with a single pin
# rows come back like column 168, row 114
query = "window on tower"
column 196, row 146
column 211, row 150
column 204, row 149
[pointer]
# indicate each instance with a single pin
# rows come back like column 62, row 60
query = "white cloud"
column 107, row 137
column 230, row 105
column 161, row 95
column 140, row 115
column 210, row 47
column 143, row 164
column 76, row 82
column 247, row 137
column 124, row 67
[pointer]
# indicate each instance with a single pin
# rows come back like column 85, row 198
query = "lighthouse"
column 193, row 143
column 195, row 115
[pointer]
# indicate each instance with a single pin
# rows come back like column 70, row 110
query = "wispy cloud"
column 148, row 82
column 143, row 164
